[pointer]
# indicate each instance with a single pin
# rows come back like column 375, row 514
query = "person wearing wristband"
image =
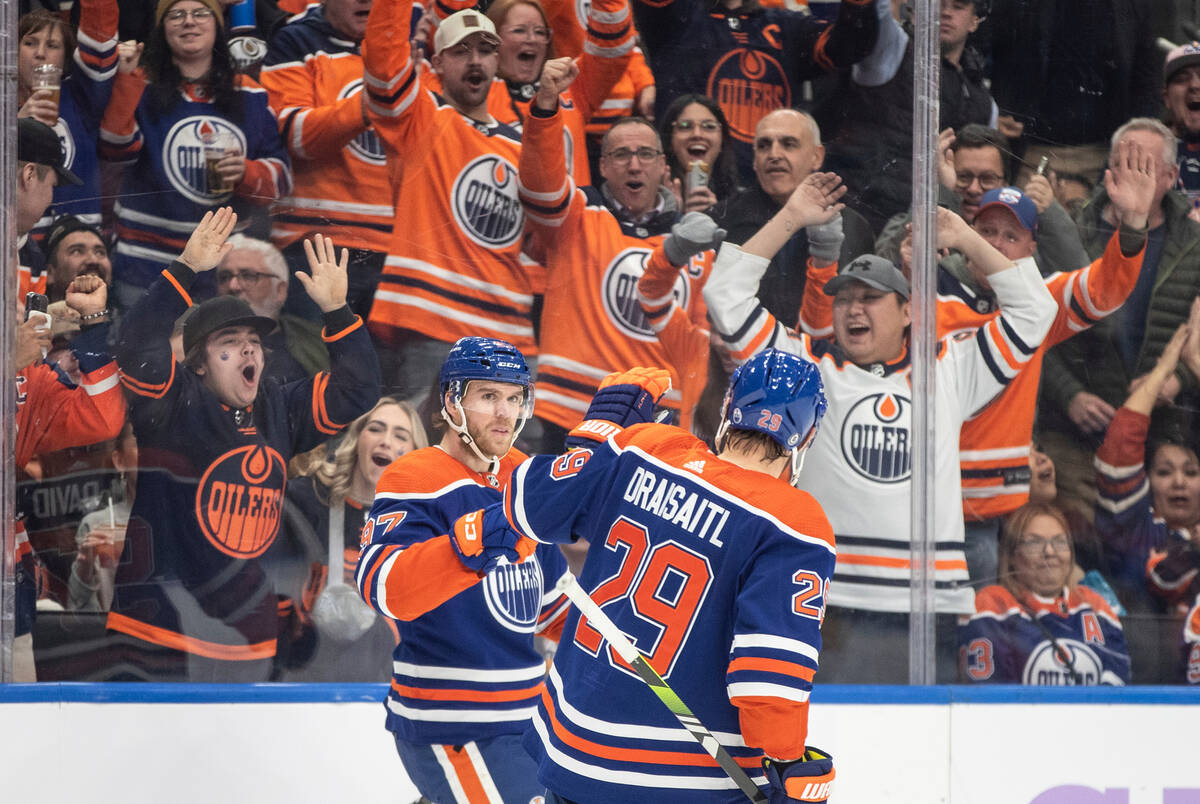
column 191, row 602
column 54, row 413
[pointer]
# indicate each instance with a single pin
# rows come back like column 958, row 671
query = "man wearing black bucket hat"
column 191, row 601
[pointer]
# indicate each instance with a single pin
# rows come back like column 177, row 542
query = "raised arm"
column 546, row 190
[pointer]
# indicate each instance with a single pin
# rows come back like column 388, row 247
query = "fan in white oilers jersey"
column 859, row 467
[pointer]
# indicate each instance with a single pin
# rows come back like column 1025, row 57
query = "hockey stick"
column 569, row 586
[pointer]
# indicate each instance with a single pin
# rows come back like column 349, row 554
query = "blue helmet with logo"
column 778, row 394
column 475, row 358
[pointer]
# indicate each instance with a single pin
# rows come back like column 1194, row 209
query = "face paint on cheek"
column 224, row 355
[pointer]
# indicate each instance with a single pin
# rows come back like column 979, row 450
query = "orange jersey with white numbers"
column 994, row 445
column 453, row 267
column 340, row 184
column 592, row 322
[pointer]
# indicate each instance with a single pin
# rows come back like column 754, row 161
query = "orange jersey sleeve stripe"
column 477, row 696
column 187, row 644
column 321, row 419
column 187, row 297
column 772, row 666
column 337, row 336
column 149, row 390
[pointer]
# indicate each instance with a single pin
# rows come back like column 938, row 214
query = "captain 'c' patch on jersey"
column 485, row 203
column 240, row 499
column 183, row 156
column 513, row 593
column 619, row 289
column 747, row 84
column 875, row 438
column 366, row 146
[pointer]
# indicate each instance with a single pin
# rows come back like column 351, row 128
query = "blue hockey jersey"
column 82, row 100
column 466, row 667
column 717, row 574
column 1073, row 639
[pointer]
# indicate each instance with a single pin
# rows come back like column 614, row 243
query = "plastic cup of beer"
column 217, row 146
column 47, row 76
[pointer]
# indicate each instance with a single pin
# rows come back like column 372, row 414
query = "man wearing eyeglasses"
column 597, row 242
column 255, row 271
column 973, row 162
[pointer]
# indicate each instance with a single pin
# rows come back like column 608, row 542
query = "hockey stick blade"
column 569, row 586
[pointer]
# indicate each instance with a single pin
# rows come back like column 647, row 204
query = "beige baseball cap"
column 459, row 26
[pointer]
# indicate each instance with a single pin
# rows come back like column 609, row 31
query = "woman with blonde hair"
column 1038, row 625
column 334, row 636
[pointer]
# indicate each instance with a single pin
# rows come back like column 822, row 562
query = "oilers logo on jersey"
column 183, row 156
column 513, row 594
column 619, row 289
column 1048, row 666
column 68, row 142
column 748, row 84
column 485, row 204
column 240, row 499
column 366, row 146
column 875, row 438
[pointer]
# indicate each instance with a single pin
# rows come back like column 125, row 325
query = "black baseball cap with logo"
column 219, row 313
column 37, row 143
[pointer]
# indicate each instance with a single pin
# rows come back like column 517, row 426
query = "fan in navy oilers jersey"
column 466, row 673
column 1036, row 627
column 712, row 564
column 191, row 601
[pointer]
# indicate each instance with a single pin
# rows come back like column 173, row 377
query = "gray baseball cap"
column 870, row 270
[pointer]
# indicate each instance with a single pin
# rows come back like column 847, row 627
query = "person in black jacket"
column 191, row 601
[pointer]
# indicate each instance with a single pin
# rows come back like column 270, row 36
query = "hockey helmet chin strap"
column 493, row 461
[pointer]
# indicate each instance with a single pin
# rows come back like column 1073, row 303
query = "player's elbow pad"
column 807, row 779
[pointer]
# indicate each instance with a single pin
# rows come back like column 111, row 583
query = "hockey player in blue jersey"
column 712, row 564
column 466, row 674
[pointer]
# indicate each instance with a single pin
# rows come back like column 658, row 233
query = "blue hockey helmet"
column 476, row 358
column 778, row 394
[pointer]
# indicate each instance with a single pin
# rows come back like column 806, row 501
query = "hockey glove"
column 624, row 398
column 806, row 779
column 825, row 240
column 694, row 233
column 484, row 540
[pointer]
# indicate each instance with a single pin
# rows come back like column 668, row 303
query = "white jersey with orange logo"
column 860, row 465
column 994, row 445
column 453, row 268
column 340, row 186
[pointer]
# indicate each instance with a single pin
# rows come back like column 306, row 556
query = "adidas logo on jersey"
column 695, row 466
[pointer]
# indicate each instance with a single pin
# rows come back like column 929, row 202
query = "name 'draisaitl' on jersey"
column 664, row 498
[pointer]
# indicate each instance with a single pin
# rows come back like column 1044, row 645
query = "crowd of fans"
column 274, row 246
